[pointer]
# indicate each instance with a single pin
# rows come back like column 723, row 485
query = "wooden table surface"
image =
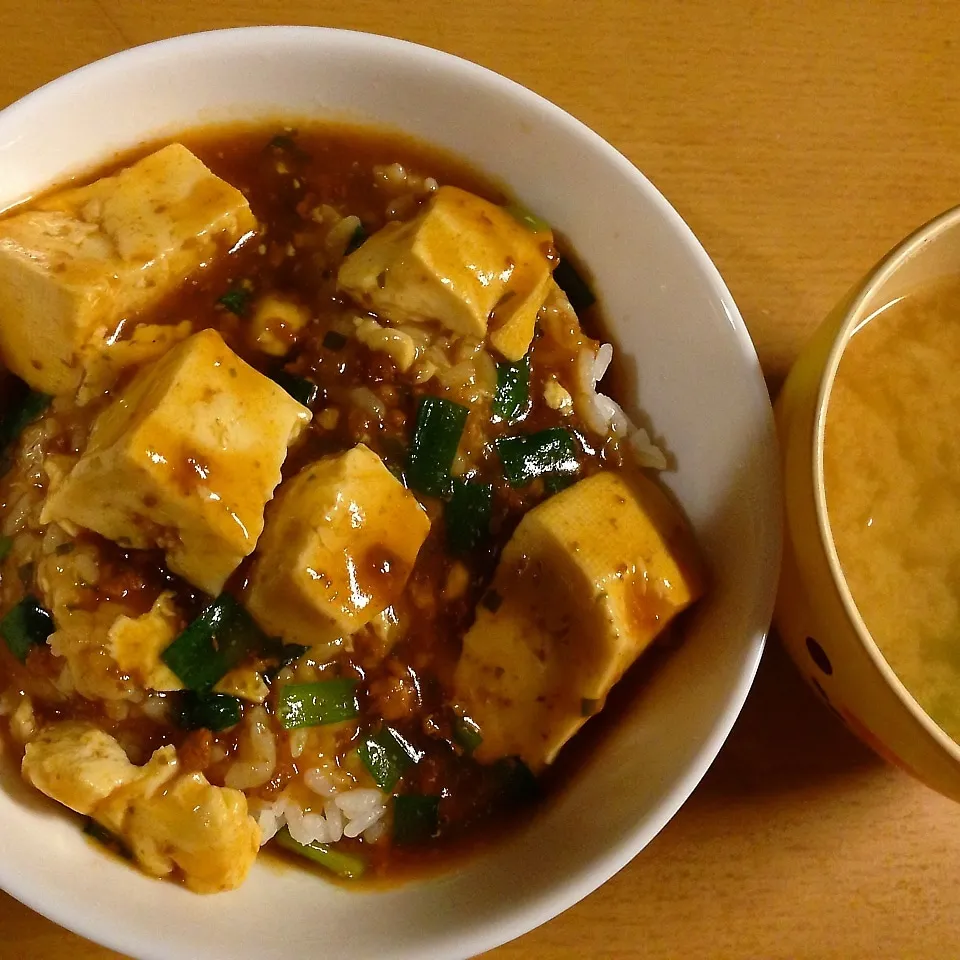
column 800, row 140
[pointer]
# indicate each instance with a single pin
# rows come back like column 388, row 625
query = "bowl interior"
column 691, row 368
column 928, row 255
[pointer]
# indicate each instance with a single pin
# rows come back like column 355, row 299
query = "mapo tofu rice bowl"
column 316, row 531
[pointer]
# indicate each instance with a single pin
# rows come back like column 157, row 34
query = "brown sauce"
column 287, row 177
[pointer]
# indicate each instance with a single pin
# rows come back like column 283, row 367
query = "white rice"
column 320, row 783
column 645, row 451
column 605, row 416
column 347, row 813
column 257, row 754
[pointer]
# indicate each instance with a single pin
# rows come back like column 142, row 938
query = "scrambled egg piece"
column 135, row 643
column 340, row 542
column 81, row 260
column 77, row 765
column 168, row 819
column 245, row 683
column 587, row 581
column 276, row 323
column 463, row 262
column 397, row 344
column 185, row 459
column 180, row 821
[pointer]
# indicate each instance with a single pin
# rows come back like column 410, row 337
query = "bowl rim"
column 906, row 250
column 569, row 890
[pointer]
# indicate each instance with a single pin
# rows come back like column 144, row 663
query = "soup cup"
column 689, row 366
column 816, row 614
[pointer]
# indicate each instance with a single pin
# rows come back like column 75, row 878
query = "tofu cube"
column 168, row 818
column 339, row 545
column 81, row 260
column 185, row 459
column 588, row 580
column 178, row 823
column 464, row 263
column 76, row 764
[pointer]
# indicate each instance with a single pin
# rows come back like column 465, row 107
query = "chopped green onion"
column 526, row 217
column 512, row 398
column 287, row 653
column 98, row 832
column 237, row 301
column 283, row 654
column 347, row 866
column 23, row 411
column 25, row 626
column 316, row 704
column 103, row 836
column 436, row 437
column 415, row 818
column 6, row 545
column 386, row 755
column 555, row 482
column 334, row 340
column 356, row 240
column 468, row 515
column 300, row 388
column 209, row 711
column 528, row 456
column 213, row 644
column 467, row 734
column 517, row 782
column 573, row 285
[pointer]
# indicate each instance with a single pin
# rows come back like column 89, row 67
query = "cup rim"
column 910, row 247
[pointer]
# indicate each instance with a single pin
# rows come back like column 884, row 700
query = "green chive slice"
column 347, row 866
column 577, row 289
column 209, row 711
column 468, row 515
column 512, row 398
column 436, row 437
column 527, row 218
column 466, row 733
column 26, row 408
column 555, row 482
column 300, row 388
column 106, row 838
column 317, row 704
column 517, row 781
column 27, row 625
column 415, row 818
column 386, row 755
column 357, row 239
column 213, row 644
column 236, row 300
column 528, row 456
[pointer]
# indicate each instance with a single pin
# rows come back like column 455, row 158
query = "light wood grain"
column 800, row 141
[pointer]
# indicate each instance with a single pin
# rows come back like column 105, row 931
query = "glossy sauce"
column 285, row 177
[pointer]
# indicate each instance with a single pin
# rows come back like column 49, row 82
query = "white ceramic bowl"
column 685, row 348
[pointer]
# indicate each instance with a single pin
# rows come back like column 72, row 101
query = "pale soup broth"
column 892, row 476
